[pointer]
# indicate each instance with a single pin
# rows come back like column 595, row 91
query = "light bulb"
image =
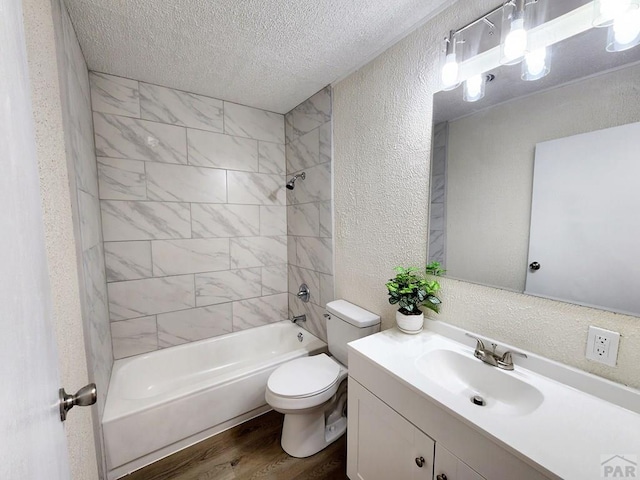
column 474, row 88
column 612, row 8
column 608, row 11
column 450, row 72
column 626, row 28
column 515, row 43
column 536, row 61
column 474, row 85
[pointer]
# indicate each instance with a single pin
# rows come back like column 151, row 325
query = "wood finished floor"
column 249, row 451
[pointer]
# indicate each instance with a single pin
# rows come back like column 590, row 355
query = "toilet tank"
column 347, row 322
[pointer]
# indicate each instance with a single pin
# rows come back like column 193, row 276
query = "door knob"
column 84, row 397
column 420, row 461
column 534, row 266
column 442, row 476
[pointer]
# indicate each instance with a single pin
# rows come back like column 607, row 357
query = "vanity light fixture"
column 524, row 36
column 513, row 45
column 622, row 17
column 474, row 87
column 536, row 64
column 605, row 12
column 450, row 68
column 624, row 33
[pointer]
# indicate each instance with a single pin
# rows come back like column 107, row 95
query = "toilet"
column 312, row 391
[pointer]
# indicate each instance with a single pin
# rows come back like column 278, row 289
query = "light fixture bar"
column 545, row 35
column 481, row 19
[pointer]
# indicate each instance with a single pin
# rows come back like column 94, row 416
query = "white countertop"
column 569, row 434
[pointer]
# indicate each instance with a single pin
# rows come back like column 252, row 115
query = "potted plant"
column 411, row 289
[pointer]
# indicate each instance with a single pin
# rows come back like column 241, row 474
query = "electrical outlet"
column 602, row 345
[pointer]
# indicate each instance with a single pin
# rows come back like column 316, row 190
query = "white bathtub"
column 166, row 400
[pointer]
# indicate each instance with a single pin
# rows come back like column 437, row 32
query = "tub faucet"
column 304, row 293
column 299, row 318
column 504, row 361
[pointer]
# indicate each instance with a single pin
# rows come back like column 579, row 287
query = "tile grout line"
column 193, row 93
column 229, row 238
column 173, row 125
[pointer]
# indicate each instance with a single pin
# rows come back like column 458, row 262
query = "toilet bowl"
column 312, row 391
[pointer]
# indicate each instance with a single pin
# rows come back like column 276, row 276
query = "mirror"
column 536, row 187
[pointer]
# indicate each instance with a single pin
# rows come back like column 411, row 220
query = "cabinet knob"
column 420, row 461
column 442, row 476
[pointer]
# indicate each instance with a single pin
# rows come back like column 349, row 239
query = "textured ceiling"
column 270, row 54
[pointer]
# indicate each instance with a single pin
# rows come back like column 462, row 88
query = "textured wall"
column 309, row 209
column 490, row 182
column 192, row 192
column 47, row 53
column 381, row 134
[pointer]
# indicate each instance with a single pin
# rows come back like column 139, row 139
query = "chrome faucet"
column 299, row 318
column 304, row 293
column 504, row 361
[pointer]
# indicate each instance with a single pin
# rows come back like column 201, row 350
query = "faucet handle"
column 506, row 361
column 479, row 344
column 506, row 356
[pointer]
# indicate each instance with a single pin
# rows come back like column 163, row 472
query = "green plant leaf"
column 410, row 289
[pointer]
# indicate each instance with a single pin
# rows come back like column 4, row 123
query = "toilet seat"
column 304, row 377
column 292, row 388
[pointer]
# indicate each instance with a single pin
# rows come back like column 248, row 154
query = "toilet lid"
column 304, row 377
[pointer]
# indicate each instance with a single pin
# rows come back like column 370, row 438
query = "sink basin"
column 469, row 377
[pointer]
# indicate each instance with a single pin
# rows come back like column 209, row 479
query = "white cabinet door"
column 449, row 467
column 381, row 444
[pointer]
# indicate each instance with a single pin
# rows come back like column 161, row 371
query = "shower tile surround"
column 194, row 214
column 85, row 207
column 437, row 213
column 309, row 209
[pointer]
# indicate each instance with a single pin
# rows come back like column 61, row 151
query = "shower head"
column 292, row 183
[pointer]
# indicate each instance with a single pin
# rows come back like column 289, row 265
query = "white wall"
column 382, row 131
column 58, row 227
column 490, row 174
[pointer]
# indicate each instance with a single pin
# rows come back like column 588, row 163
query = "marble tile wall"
column 309, row 208
column 194, row 214
column 437, row 223
column 85, row 206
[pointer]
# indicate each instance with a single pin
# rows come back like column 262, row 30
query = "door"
column 449, row 467
column 32, row 439
column 584, row 220
column 381, row 444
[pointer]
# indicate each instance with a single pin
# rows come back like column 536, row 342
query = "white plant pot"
column 410, row 324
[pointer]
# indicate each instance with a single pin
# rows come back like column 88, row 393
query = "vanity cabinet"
column 391, row 428
column 382, row 444
column 449, row 467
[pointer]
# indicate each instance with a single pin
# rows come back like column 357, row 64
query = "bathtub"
column 161, row 402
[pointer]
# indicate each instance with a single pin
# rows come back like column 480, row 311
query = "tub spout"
column 300, row 318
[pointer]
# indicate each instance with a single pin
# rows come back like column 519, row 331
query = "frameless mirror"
column 536, row 187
